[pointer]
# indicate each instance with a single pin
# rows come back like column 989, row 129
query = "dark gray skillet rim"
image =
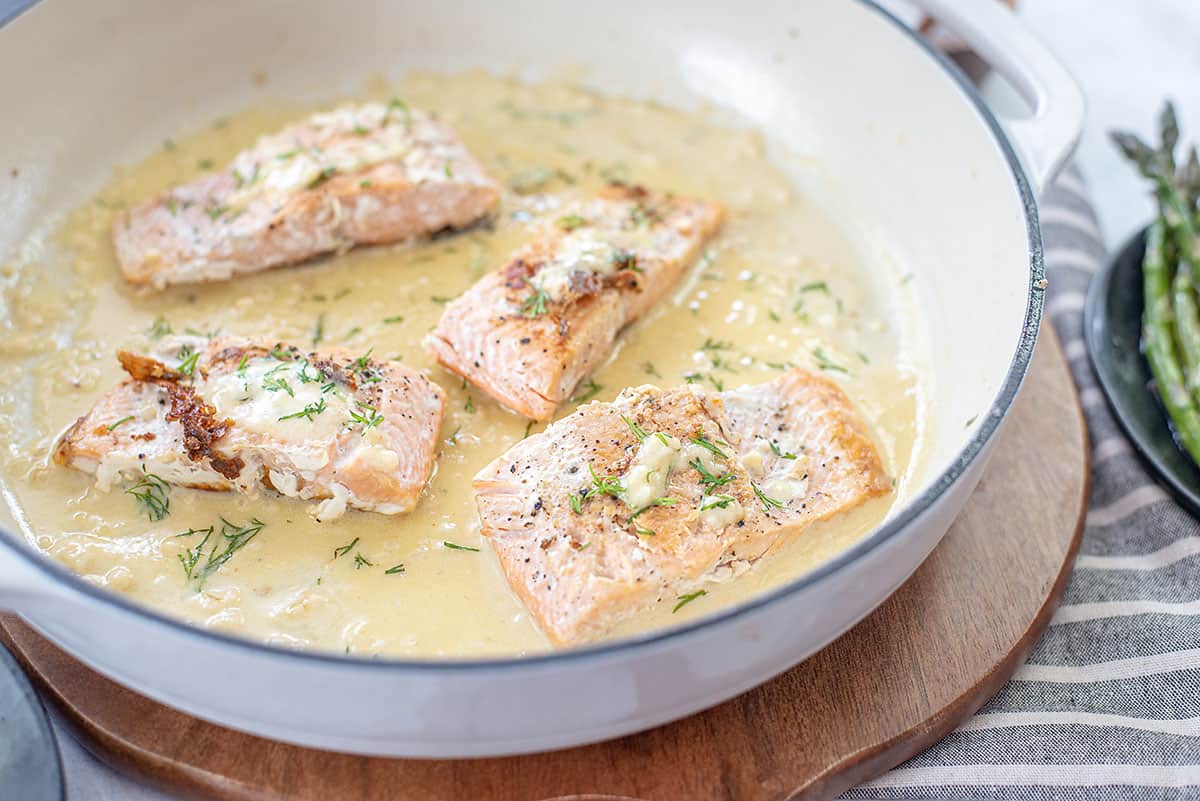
column 987, row 428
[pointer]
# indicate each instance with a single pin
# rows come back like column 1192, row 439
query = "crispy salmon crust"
column 365, row 174
column 236, row 415
column 529, row 333
column 581, row 562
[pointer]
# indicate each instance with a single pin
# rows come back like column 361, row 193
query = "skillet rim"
column 917, row 507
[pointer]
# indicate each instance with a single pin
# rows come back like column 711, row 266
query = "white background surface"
column 1127, row 54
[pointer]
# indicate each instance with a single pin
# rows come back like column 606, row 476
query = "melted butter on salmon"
column 623, row 506
column 362, row 174
column 528, row 334
column 233, row 415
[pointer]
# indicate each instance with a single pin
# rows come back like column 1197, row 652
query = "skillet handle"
column 1045, row 140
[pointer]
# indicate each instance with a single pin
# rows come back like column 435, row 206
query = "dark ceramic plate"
column 30, row 769
column 1112, row 322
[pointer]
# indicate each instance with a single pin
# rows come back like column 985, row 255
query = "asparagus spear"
column 1159, row 345
column 1170, row 315
column 1176, row 193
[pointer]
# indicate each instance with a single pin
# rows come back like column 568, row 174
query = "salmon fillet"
column 528, row 334
column 363, row 174
column 228, row 414
column 624, row 505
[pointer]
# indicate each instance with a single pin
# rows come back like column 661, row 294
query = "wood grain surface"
column 896, row 683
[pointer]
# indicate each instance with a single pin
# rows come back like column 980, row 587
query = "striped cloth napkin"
column 1108, row 705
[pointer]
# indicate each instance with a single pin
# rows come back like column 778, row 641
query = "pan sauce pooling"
column 779, row 285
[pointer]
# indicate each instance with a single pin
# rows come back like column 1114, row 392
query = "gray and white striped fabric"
column 1108, row 705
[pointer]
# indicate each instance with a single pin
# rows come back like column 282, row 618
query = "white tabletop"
column 1128, row 56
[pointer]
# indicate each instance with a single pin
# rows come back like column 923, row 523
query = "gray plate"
column 30, row 768
column 1112, row 322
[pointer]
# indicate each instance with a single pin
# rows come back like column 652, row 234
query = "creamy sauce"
column 779, row 285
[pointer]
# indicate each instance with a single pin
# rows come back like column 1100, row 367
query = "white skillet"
column 906, row 154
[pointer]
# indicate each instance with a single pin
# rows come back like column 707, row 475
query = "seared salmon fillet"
column 362, row 174
column 624, row 505
column 529, row 333
column 228, row 414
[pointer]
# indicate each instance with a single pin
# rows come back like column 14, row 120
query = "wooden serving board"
column 895, row 684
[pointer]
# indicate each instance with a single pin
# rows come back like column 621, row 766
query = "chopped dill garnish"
column 153, row 494
column 191, row 556
column 323, row 176
column 824, row 362
column 361, row 130
column 642, row 531
column 704, row 442
column 862, row 357
column 204, row 164
column 276, row 384
column 341, row 293
column 684, row 600
column 304, row 376
column 636, row 429
column 767, row 500
column 774, row 315
column 394, row 569
column 649, row 369
column 396, row 318
column 717, row 502
column 816, row 286
column 576, row 504
column 528, row 428
column 710, row 481
column 363, row 362
column 361, row 561
column 367, row 417
column 345, row 549
column 327, row 388
column 187, row 360
column 448, row 170
column 236, row 537
column 776, row 450
column 318, row 330
column 354, row 331
column 124, row 419
column 604, row 485
column 454, row 546
column 570, row 222
column 215, row 211
column 308, row 412
column 715, row 344
column 626, row 260
column 396, row 104
column 469, row 406
column 440, row 300
column 592, row 389
column 716, row 382
column 663, row 501
column 535, row 304
column 159, row 328
column 241, row 368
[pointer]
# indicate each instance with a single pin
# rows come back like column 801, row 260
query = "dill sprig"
column 710, row 481
column 766, row 500
column 153, row 494
column 684, row 600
